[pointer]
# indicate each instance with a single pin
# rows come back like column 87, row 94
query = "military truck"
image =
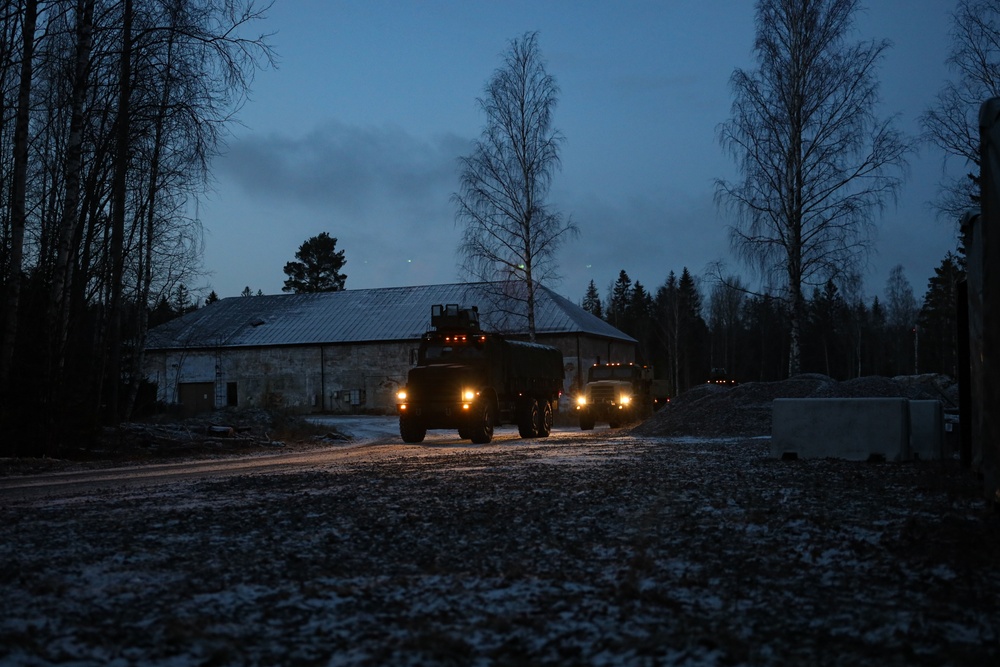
column 473, row 381
column 721, row 377
column 616, row 394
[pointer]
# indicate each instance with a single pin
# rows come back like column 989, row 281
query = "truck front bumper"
column 441, row 415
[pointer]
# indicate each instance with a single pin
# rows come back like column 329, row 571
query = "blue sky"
column 358, row 131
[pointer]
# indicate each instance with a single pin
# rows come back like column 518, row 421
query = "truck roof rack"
column 452, row 316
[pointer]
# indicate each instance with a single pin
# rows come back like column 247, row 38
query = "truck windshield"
column 611, row 373
column 439, row 352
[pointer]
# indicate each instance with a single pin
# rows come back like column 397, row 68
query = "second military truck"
column 616, row 394
column 473, row 381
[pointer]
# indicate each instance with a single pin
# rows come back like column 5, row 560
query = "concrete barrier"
column 927, row 430
column 855, row 429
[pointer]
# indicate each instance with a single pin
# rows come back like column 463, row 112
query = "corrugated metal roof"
column 355, row 316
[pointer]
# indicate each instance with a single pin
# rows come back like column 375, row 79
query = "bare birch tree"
column 18, row 214
column 952, row 123
column 511, row 232
column 816, row 162
column 129, row 101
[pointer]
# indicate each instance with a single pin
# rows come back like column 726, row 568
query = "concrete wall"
column 927, row 430
column 356, row 378
column 340, row 378
column 857, row 429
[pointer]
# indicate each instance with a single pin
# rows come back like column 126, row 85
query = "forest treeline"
column 111, row 113
column 685, row 332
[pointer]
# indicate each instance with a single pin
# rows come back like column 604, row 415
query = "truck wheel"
column 411, row 430
column 527, row 423
column 483, row 433
column 544, row 426
column 465, row 434
column 586, row 422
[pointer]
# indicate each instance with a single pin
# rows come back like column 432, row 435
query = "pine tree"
column 665, row 320
column 318, row 267
column 592, row 301
column 875, row 341
column 163, row 312
column 621, row 294
column 182, row 300
column 640, row 313
column 937, row 328
column 693, row 362
column 678, row 325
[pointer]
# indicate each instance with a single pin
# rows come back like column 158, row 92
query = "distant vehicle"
column 616, row 394
column 473, row 381
column 661, row 394
column 720, row 377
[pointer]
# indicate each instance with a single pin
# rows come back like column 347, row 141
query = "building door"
column 196, row 397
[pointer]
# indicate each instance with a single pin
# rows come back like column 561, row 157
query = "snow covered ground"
column 613, row 550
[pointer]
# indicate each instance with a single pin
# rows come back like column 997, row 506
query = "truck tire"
column 410, row 430
column 482, row 433
column 527, row 419
column 544, row 426
column 586, row 422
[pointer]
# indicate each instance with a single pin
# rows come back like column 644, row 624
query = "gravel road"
column 612, row 549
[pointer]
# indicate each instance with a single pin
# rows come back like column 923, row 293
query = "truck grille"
column 603, row 394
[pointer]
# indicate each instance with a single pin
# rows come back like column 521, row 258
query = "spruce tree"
column 592, row 301
column 318, row 267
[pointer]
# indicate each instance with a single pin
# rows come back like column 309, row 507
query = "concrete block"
column 927, row 430
column 855, row 429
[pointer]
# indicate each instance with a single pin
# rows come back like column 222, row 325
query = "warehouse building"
column 342, row 352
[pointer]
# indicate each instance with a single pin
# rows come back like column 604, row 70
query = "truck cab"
column 473, row 381
column 615, row 393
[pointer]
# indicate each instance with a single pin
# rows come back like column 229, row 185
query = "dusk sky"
column 359, row 130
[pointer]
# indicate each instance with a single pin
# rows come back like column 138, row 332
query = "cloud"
column 351, row 170
column 385, row 194
column 646, row 235
column 382, row 192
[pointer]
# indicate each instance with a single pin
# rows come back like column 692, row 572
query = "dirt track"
column 608, row 550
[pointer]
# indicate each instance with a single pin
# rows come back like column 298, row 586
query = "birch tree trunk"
column 18, row 194
column 59, row 302
column 120, row 196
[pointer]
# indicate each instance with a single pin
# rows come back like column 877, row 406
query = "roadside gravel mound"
column 711, row 411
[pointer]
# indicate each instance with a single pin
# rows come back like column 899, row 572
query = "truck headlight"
column 625, row 400
column 401, row 396
column 581, row 400
column 468, row 395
